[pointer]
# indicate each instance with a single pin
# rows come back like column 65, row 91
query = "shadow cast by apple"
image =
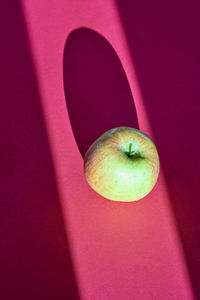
column 35, row 260
column 98, row 95
column 165, row 44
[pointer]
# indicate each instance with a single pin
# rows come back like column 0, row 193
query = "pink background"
column 69, row 71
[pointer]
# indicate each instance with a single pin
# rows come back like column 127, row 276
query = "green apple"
column 122, row 164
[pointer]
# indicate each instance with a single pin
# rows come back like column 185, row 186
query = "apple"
column 122, row 164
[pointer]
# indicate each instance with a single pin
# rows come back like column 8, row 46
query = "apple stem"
column 130, row 153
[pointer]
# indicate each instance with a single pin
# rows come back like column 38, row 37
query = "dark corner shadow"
column 97, row 91
column 35, row 260
column 165, row 44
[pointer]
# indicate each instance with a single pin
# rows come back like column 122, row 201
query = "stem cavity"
column 131, row 153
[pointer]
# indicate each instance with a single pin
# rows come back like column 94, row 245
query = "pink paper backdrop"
column 69, row 71
column 35, row 260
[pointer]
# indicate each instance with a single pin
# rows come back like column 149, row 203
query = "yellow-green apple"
column 122, row 164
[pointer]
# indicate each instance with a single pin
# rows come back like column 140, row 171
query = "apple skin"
column 114, row 173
